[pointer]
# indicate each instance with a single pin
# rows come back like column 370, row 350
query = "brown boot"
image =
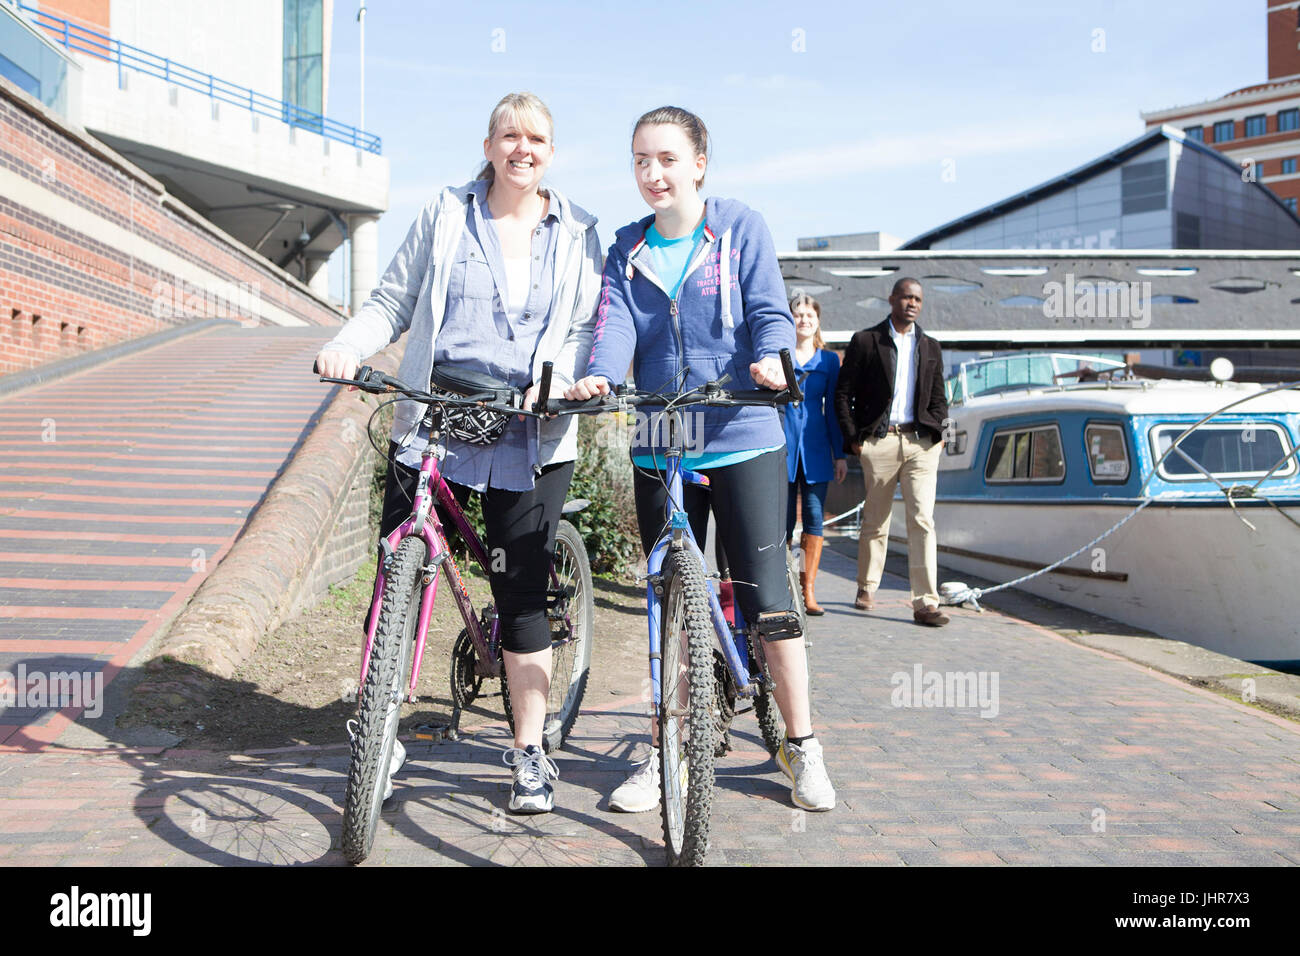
column 811, row 545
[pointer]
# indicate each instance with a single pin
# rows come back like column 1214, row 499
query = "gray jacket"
column 412, row 295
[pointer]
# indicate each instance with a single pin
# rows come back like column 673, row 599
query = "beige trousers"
column 913, row 461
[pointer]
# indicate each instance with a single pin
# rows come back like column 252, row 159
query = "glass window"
column 304, row 86
column 1288, row 120
column 1290, row 203
column 1288, row 166
column 1025, row 455
column 1107, row 453
column 1224, row 131
column 1143, row 187
column 1195, row 132
column 1256, row 125
column 1244, row 450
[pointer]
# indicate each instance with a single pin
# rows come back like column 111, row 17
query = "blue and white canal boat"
column 1045, row 452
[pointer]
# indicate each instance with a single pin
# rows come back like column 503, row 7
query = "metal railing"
column 83, row 40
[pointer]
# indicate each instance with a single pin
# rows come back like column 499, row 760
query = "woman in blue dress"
column 814, row 447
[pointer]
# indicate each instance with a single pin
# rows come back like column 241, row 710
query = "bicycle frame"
column 680, row 536
column 424, row 521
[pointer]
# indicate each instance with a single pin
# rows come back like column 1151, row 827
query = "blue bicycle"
column 701, row 664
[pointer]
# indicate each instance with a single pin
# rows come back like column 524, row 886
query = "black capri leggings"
column 522, row 525
column 748, row 501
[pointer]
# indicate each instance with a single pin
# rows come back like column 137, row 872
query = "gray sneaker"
column 531, row 791
column 811, row 788
column 640, row 791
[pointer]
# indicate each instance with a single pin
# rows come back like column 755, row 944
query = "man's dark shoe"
column 930, row 617
column 863, row 601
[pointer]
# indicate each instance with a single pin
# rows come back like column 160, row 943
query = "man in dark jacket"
column 892, row 409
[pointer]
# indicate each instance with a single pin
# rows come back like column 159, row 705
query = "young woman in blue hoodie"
column 688, row 294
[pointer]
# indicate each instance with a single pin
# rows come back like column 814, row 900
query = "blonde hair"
column 528, row 112
column 803, row 298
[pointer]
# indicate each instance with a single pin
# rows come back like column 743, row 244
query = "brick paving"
column 123, row 486
column 1090, row 759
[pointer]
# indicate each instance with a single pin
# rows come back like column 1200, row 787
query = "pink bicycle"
column 405, row 589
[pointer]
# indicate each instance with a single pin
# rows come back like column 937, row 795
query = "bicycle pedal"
column 435, row 732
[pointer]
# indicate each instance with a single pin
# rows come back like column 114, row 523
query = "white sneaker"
column 640, row 791
column 394, row 765
column 811, row 788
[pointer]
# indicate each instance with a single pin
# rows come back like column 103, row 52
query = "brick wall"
column 1283, row 54
column 351, row 540
column 92, row 250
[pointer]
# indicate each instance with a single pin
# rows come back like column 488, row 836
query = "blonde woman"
column 496, row 276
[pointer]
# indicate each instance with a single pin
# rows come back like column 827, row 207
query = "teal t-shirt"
column 672, row 256
column 716, row 459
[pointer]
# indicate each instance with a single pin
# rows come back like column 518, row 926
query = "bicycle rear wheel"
column 687, row 723
column 765, row 709
column 796, row 588
column 380, row 706
column 570, row 642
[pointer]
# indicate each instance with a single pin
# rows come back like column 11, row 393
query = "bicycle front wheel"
column 687, row 723
column 380, row 707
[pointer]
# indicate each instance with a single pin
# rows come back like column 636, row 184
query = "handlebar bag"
column 475, row 425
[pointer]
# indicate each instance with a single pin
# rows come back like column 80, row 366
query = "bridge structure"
column 1033, row 298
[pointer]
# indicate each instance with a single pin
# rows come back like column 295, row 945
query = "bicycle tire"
column 796, row 588
column 686, row 766
column 570, row 648
column 766, row 711
column 379, row 708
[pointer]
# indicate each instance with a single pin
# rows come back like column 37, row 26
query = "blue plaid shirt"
column 477, row 334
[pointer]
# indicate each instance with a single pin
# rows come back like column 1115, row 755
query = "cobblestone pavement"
column 1073, row 756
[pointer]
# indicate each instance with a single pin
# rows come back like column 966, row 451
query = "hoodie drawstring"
column 724, row 276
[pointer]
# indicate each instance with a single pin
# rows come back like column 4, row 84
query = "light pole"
column 361, row 19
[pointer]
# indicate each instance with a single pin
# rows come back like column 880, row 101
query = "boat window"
column 1026, row 454
column 1239, row 450
column 1107, row 453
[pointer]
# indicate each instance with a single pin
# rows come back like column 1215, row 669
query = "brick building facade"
column 1257, row 125
column 93, row 251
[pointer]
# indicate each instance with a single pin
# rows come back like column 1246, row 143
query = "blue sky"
column 826, row 117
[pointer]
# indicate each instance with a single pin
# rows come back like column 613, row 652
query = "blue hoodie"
column 708, row 333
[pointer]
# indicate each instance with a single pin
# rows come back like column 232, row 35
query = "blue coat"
column 812, row 430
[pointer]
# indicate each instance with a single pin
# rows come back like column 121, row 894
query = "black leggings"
column 748, row 501
column 520, row 537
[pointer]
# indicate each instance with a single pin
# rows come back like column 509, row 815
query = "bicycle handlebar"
column 378, row 383
column 710, row 393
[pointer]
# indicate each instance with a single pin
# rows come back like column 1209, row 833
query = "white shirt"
column 902, row 410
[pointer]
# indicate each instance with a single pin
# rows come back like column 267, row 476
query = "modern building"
column 226, row 105
column 1258, row 126
column 1163, row 190
column 853, row 242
